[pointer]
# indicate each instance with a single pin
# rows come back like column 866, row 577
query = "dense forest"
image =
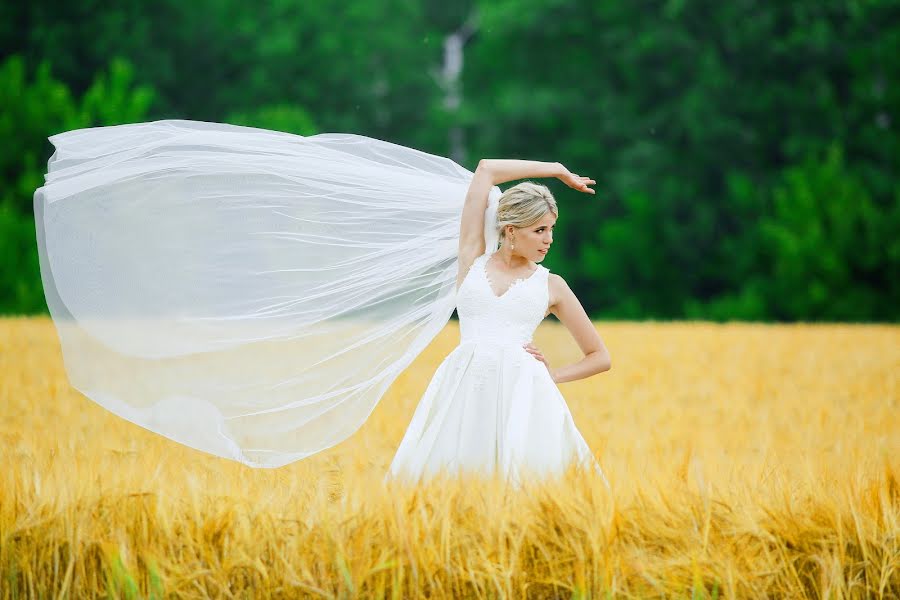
column 746, row 153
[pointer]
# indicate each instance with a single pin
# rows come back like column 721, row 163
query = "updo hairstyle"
column 524, row 204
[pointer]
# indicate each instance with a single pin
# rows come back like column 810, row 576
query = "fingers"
column 582, row 183
column 530, row 348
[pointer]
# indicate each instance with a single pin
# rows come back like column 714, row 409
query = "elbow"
column 601, row 361
column 606, row 363
column 484, row 166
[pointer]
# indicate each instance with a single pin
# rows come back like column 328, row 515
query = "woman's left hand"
column 533, row 350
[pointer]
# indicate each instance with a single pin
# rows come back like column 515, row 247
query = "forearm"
column 591, row 364
column 508, row 169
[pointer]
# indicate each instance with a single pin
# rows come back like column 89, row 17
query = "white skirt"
column 489, row 409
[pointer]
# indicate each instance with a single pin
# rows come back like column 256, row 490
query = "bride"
column 252, row 294
column 493, row 404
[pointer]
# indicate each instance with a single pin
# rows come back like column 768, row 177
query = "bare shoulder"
column 563, row 301
column 557, row 286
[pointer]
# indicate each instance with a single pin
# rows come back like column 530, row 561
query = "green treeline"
column 746, row 153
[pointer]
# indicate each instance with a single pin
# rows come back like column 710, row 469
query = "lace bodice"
column 509, row 318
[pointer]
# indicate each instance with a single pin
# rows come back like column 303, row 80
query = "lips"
column 544, row 251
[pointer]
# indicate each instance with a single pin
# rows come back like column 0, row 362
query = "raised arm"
column 490, row 172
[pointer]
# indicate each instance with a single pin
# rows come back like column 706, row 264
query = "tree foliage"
column 745, row 152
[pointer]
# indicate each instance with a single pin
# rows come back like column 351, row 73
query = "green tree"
column 830, row 252
column 672, row 108
column 690, row 114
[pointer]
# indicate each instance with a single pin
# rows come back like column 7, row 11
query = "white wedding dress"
column 492, row 406
column 252, row 294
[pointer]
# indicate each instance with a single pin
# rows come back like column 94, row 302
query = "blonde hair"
column 524, row 204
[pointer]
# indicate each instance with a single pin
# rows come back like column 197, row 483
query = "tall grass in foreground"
column 745, row 461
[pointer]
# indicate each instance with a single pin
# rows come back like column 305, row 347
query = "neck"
column 511, row 258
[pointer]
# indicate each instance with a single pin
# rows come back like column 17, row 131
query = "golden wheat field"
column 746, row 461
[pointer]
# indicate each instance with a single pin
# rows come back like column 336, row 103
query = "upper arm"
column 571, row 313
column 471, row 226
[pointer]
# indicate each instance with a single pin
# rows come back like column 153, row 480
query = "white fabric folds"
column 248, row 293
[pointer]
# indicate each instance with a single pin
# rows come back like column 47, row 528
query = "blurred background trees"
column 745, row 153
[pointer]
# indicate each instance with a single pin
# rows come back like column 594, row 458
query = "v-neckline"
column 515, row 282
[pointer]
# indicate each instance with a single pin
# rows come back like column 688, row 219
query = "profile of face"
column 533, row 242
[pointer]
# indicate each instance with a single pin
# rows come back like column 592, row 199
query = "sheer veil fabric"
column 246, row 292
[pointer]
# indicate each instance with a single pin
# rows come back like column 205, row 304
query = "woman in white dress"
column 493, row 405
column 252, row 294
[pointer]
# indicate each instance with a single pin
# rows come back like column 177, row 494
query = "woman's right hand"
column 577, row 182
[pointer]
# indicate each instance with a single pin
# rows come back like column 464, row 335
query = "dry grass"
column 746, row 461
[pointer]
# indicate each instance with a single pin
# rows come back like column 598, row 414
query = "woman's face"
column 533, row 242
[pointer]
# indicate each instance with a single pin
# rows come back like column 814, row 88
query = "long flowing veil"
column 245, row 292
